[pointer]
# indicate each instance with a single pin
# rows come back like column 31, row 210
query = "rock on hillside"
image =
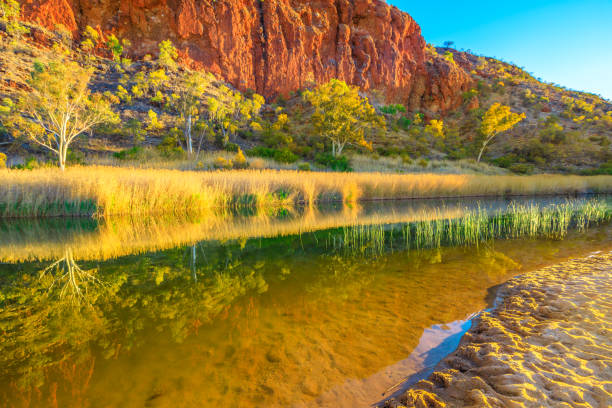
column 278, row 46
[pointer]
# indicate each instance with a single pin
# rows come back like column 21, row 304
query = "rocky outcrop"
column 277, row 46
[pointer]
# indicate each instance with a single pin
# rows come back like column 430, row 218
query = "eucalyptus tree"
column 58, row 107
column 342, row 115
column 497, row 119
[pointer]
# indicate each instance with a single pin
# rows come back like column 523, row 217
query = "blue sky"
column 564, row 42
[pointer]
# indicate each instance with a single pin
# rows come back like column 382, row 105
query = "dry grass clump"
column 150, row 158
column 104, row 191
column 364, row 163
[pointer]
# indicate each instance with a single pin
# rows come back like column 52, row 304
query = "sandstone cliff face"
column 277, row 46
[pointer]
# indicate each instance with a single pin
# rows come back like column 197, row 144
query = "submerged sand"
column 547, row 343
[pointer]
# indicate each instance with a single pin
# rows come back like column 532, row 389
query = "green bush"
column 129, row 154
column 393, row 109
column 285, row 156
column 506, row 161
column 304, row 166
column 232, row 147
column 406, row 159
column 404, row 123
column 30, row 164
column 169, row 147
column 522, row 168
column 336, row 163
column 75, row 157
column 261, row 151
column 604, row 169
column 282, row 156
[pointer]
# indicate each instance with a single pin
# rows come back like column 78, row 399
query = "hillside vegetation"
column 157, row 114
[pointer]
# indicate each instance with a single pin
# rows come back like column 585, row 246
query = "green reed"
column 477, row 226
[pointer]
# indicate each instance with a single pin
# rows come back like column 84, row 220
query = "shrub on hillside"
column 506, row 161
column 223, row 163
column 604, row 169
column 232, row 147
column 522, row 168
column 132, row 153
column 240, row 162
column 282, row 156
column 336, row 163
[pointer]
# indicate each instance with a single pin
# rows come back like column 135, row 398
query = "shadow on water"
column 321, row 307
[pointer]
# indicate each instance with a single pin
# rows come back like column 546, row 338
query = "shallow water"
column 242, row 310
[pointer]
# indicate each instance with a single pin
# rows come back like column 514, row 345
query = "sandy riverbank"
column 548, row 343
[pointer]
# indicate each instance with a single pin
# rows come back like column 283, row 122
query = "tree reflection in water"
column 72, row 282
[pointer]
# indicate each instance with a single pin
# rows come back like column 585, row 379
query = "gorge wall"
column 278, row 46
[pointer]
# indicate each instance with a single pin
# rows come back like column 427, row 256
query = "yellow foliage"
column 435, row 128
column 499, row 119
column 240, row 161
column 223, row 163
column 154, row 122
column 342, row 115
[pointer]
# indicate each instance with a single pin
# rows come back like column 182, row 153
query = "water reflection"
column 46, row 239
column 266, row 321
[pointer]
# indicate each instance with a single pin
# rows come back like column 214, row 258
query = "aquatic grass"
column 109, row 191
column 475, row 227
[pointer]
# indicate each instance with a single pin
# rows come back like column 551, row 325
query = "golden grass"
column 105, row 191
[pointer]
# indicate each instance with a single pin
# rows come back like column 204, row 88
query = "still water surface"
column 246, row 310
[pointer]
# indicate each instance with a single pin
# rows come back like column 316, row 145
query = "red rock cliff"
column 277, row 46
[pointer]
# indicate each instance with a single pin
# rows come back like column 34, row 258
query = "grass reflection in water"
column 264, row 321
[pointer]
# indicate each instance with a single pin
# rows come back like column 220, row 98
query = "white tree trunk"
column 62, row 152
column 193, row 263
column 340, row 148
column 484, row 146
column 188, row 138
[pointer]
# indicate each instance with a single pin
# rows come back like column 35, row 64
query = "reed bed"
column 474, row 227
column 104, row 191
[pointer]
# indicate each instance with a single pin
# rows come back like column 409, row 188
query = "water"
column 328, row 307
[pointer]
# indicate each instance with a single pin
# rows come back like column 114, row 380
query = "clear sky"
column 565, row 42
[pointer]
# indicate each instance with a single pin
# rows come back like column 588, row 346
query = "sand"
column 547, row 343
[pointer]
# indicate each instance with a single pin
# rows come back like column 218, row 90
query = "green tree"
column 187, row 102
column 342, row 115
column 496, row 120
column 115, row 46
column 134, row 127
column 228, row 110
column 59, row 106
